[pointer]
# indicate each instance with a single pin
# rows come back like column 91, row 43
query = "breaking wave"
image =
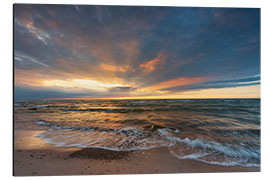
column 130, row 138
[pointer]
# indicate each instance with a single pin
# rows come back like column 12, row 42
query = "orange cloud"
column 123, row 69
column 154, row 63
column 181, row 81
column 108, row 67
column 26, row 78
column 113, row 68
column 126, row 68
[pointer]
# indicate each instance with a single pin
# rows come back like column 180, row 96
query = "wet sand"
column 33, row 157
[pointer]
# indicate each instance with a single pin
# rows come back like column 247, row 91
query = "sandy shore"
column 32, row 156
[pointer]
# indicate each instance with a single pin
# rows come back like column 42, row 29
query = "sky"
column 135, row 52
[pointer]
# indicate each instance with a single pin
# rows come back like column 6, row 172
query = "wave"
column 163, row 101
column 214, row 109
column 124, row 139
column 172, row 108
column 40, row 106
column 109, row 110
column 238, row 132
column 140, row 101
column 209, row 110
column 126, row 131
column 129, row 139
column 215, row 153
column 169, row 106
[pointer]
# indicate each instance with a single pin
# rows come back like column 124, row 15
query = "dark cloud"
column 247, row 81
column 138, row 46
column 121, row 89
column 240, row 80
column 30, row 93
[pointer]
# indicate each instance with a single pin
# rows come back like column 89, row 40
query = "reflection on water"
column 225, row 132
column 26, row 140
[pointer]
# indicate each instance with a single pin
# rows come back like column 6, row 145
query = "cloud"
column 122, row 89
column 239, row 80
column 156, row 49
column 154, row 64
column 39, row 34
column 245, row 81
column 22, row 57
column 108, row 67
column 30, row 93
column 181, row 81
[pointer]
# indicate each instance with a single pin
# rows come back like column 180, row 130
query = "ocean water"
column 216, row 131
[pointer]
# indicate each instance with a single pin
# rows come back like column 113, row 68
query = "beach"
column 135, row 90
column 34, row 157
column 88, row 137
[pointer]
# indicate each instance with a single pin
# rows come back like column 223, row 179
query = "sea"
column 224, row 132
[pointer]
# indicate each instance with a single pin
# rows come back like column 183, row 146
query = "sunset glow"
column 136, row 52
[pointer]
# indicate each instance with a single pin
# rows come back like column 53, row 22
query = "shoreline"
column 33, row 157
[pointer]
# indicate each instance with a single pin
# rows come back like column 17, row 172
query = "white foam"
column 40, row 106
column 200, row 156
column 104, row 140
column 138, row 101
column 128, row 139
column 43, row 123
column 230, row 163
